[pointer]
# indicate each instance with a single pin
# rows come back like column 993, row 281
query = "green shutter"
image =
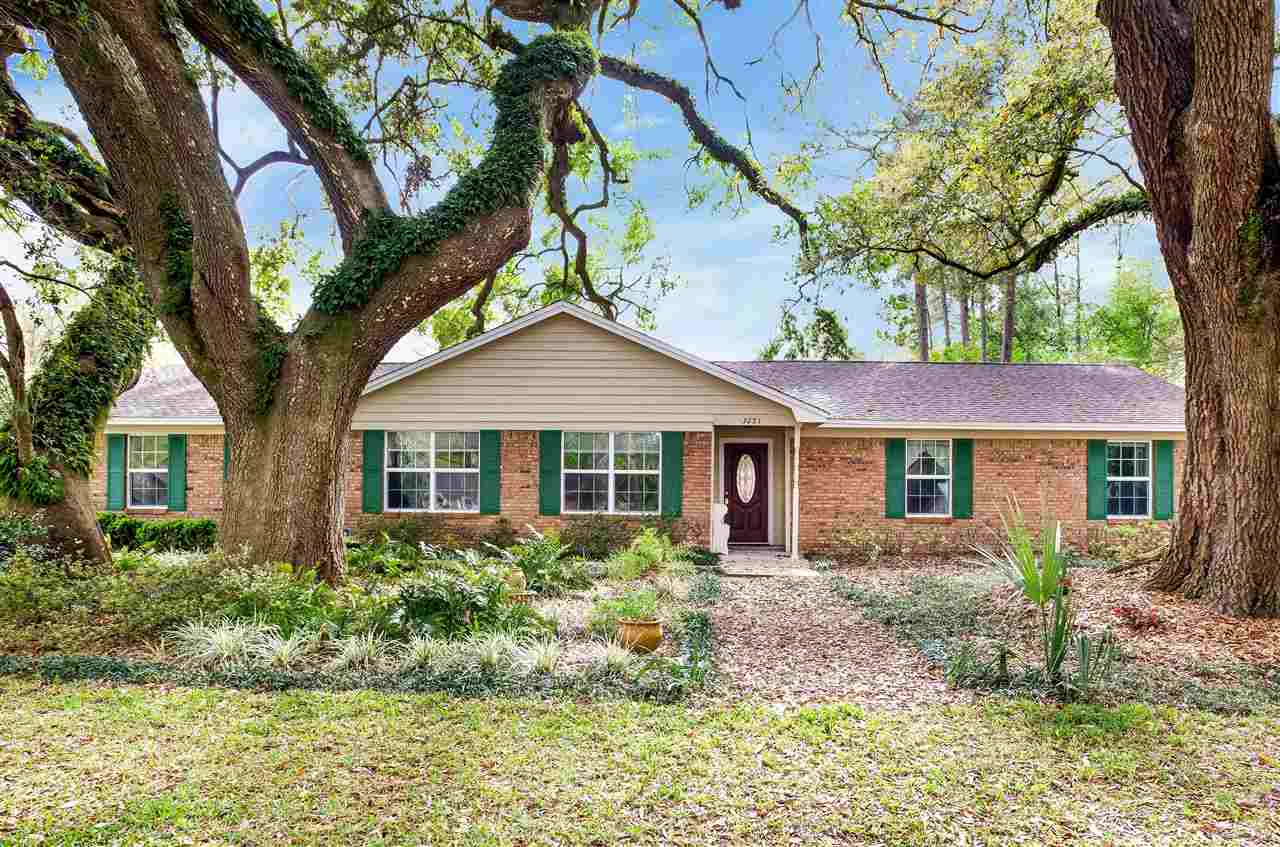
column 490, row 471
column 672, row 474
column 177, row 473
column 895, row 477
column 1164, row 480
column 549, row 472
column 115, row 472
column 962, row 477
column 226, row 457
column 372, row 451
column 1097, row 481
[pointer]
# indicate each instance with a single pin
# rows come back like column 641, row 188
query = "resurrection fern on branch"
column 507, row 177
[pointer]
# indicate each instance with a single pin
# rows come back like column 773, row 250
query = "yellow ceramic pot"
column 641, row 636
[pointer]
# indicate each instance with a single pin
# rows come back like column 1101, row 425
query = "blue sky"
column 735, row 275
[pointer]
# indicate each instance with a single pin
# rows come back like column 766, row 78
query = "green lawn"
column 83, row 764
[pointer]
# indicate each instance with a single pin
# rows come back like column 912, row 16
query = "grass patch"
column 90, row 764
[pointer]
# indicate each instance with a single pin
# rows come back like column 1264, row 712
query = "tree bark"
column 1010, row 307
column 984, row 328
column 965, row 296
column 946, row 313
column 1195, row 81
column 922, row 320
column 73, row 522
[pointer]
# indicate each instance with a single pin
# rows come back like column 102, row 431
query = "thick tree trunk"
column 289, row 467
column 1195, row 80
column 1226, row 542
column 1010, row 307
column 922, row 320
column 73, row 523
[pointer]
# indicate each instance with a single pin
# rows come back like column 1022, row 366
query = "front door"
column 746, row 492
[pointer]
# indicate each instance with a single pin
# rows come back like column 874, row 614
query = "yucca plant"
column 1042, row 575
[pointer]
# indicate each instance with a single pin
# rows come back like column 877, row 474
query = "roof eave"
column 1003, row 426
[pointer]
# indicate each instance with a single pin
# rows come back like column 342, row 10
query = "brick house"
column 561, row 413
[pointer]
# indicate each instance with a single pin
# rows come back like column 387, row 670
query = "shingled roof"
column 173, row 393
column 972, row 393
column 851, row 394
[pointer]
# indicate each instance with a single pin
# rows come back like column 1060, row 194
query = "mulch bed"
column 794, row 642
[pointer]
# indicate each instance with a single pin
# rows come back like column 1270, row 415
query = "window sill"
column 430, row 511
column 936, row 519
column 612, row 514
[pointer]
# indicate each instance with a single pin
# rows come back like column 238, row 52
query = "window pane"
column 1128, row 459
column 408, row 489
column 928, row 497
column 586, row 492
column 457, row 449
column 408, row 449
column 928, row 458
column 635, row 492
column 636, row 451
column 458, row 492
column 149, row 452
column 1128, row 498
column 148, row 488
column 586, row 451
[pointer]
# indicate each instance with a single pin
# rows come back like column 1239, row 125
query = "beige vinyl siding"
column 564, row 373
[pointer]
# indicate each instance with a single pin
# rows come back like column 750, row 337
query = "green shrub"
column 289, row 603
column 546, row 563
column 20, row 531
column 701, row 557
column 446, row 604
column 199, row 534
column 417, row 529
column 383, row 557
column 597, row 536
column 649, row 550
column 641, row 604
column 121, row 529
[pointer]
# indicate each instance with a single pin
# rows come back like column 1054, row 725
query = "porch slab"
column 764, row 563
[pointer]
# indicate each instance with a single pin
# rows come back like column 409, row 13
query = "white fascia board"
column 1053, row 426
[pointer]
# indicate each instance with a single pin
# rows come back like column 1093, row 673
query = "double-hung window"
column 433, row 471
column 148, row 465
column 1128, row 479
column 614, row 472
column 928, row 477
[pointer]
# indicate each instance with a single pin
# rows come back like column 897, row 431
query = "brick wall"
column 204, row 479
column 842, row 486
column 519, row 485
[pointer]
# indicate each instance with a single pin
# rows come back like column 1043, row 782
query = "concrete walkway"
column 764, row 563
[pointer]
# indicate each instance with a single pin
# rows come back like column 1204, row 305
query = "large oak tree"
column 1195, row 79
column 145, row 76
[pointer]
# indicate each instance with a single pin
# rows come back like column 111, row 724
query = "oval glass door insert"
column 746, row 477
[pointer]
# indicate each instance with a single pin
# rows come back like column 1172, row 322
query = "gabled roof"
column 803, row 410
column 978, row 396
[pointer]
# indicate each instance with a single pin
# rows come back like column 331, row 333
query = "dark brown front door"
column 746, row 492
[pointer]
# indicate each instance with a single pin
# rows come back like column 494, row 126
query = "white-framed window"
column 928, row 477
column 148, row 465
column 613, row 472
column 432, row 471
column 1128, row 479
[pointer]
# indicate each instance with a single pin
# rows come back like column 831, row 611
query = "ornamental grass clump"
column 223, row 643
column 366, row 651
